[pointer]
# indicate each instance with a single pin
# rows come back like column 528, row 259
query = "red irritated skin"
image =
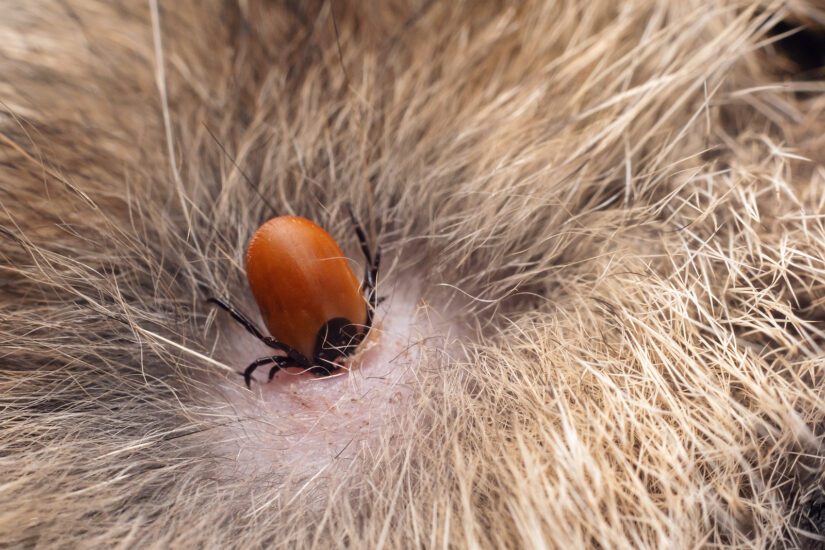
column 301, row 279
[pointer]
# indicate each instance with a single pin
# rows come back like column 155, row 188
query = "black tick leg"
column 280, row 361
column 244, row 321
column 370, row 269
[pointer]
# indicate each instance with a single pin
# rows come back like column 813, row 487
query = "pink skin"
column 298, row 425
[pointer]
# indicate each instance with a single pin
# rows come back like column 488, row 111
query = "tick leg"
column 369, row 286
column 370, row 269
column 280, row 363
column 238, row 316
column 362, row 237
column 247, row 374
column 254, row 331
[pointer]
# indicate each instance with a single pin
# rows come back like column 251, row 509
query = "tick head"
column 337, row 338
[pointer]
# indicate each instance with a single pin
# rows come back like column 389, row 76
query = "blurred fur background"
column 628, row 195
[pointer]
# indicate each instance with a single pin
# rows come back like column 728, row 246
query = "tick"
column 313, row 305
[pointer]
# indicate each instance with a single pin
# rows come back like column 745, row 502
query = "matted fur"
column 620, row 203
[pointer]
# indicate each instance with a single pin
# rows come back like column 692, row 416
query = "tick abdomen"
column 301, row 279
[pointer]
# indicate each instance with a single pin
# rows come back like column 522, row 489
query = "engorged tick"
column 310, row 300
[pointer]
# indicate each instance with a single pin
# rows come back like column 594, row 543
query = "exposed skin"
column 604, row 272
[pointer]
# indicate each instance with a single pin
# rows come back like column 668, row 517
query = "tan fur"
column 618, row 204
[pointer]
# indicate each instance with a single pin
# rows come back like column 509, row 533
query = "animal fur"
column 617, row 207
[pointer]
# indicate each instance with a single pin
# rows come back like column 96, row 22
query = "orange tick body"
column 313, row 305
column 301, row 280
